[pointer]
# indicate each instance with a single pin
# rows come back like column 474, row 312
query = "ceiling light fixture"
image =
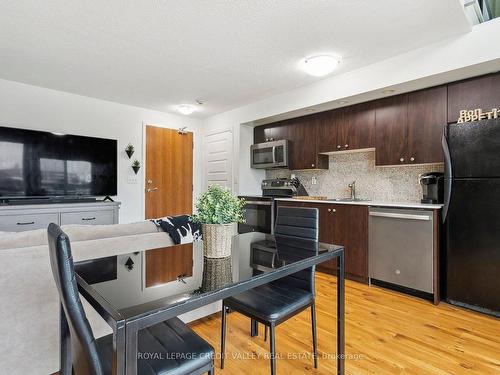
column 319, row 65
column 388, row 91
column 343, row 101
column 185, row 109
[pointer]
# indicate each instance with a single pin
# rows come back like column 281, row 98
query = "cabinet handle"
column 267, row 139
column 402, row 160
column 412, row 159
column 339, row 147
column 332, row 210
column 312, row 165
column 26, row 223
column 346, row 146
column 88, row 218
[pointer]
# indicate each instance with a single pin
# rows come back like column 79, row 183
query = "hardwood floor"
column 386, row 333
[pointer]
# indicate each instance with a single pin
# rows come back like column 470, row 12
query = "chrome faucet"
column 352, row 186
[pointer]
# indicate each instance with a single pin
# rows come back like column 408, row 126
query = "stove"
column 260, row 210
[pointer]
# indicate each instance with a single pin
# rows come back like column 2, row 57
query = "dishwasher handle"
column 394, row 215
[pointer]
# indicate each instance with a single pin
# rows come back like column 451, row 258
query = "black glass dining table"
column 141, row 289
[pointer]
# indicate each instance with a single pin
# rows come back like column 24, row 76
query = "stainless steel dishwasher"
column 401, row 247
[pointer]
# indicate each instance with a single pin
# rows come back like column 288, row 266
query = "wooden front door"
column 169, row 172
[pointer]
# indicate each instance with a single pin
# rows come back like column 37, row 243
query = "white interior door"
column 218, row 157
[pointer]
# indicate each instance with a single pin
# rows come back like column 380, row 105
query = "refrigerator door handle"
column 448, row 176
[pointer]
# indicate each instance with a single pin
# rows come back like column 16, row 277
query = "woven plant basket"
column 217, row 273
column 217, row 240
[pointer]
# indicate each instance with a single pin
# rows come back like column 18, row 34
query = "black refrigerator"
column 471, row 215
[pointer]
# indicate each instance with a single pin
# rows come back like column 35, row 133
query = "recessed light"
column 343, row 101
column 319, row 65
column 388, row 91
column 310, row 109
column 186, row 109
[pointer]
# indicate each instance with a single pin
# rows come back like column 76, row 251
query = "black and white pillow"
column 180, row 228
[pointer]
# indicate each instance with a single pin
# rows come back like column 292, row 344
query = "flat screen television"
column 36, row 164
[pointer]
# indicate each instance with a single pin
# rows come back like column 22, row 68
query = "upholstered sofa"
column 29, row 305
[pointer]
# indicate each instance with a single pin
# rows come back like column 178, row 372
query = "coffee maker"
column 432, row 187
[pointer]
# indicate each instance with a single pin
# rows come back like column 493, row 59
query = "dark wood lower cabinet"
column 347, row 225
column 351, row 231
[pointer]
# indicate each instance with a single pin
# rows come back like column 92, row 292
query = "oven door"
column 269, row 154
column 259, row 217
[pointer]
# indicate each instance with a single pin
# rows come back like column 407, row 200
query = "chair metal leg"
column 211, row 371
column 272, row 354
column 223, row 337
column 265, row 332
column 314, row 335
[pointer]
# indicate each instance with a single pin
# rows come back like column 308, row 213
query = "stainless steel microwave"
column 269, row 154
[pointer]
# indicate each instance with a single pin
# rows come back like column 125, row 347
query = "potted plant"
column 130, row 150
column 136, row 165
column 218, row 211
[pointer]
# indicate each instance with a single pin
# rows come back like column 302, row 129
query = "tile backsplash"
column 376, row 183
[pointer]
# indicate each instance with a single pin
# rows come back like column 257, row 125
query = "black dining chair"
column 296, row 232
column 174, row 348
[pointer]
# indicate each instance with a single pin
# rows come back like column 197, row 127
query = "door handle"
column 88, row 218
column 258, row 203
column 400, row 216
column 152, row 189
column 26, row 223
column 448, row 177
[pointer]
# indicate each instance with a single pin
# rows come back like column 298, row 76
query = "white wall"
column 467, row 55
column 31, row 107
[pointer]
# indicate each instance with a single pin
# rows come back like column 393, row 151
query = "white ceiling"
column 160, row 53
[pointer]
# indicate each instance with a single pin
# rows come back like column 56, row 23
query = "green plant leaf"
column 219, row 206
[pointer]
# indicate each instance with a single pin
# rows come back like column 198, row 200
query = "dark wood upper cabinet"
column 357, row 129
column 328, row 123
column 480, row 92
column 391, row 117
column 270, row 132
column 280, row 131
column 259, row 134
column 347, row 128
column 426, row 120
column 303, row 144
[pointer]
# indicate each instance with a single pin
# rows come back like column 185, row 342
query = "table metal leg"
column 131, row 333
column 64, row 345
column 340, row 316
column 119, row 348
column 254, row 328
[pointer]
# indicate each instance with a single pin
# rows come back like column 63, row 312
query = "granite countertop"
column 369, row 203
